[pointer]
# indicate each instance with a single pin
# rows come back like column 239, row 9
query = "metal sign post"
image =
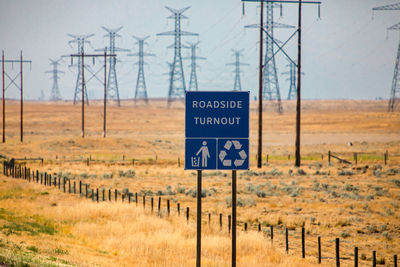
column 217, row 138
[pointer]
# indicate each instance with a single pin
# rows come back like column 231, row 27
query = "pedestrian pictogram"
column 204, row 154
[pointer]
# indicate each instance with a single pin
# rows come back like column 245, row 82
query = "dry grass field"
column 360, row 204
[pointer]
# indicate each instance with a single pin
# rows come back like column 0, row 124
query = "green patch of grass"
column 33, row 225
column 33, row 249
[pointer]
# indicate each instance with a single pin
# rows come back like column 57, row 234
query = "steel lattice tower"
column 177, row 85
column 80, row 40
column 271, row 90
column 112, row 81
column 293, row 80
column 237, row 86
column 55, row 91
column 141, row 90
column 395, row 91
column 193, row 84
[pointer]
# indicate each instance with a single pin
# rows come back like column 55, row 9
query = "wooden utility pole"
column 298, row 104
column 105, row 55
column 105, row 92
column 4, row 99
column 20, row 87
column 260, row 90
column 21, row 134
column 298, row 65
column 83, row 95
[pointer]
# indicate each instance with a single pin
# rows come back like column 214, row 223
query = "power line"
column 193, row 84
column 237, row 86
column 55, row 91
column 177, row 87
column 141, row 89
column 80, row 41
column 395, row 90
column 112, row 82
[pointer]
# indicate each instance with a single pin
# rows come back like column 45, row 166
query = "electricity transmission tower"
column 293, row 80
column 112, row 83
column 395, row 91
column 193, row 84
column 271, row 90
column 141, row 90
column 177, row 86
column 237, row 85
column 80, row 41
column 55, row 91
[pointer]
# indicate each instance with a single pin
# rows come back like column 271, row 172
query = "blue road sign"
column 217, row 114
column 217, row 131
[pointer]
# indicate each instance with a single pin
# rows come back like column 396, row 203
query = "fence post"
column 259, row 227
column 92, row 194
column 86, row 191
column 123, row 196
column 303, row 243
column 136, row 200
column 116, row 195
column 74, row 187
column 144, row 201
column 179, row 209
column 395, row 260
column 245, row 227
column 209, row 218
column 59, row 182
column 104, row 193
column 187, row 214
column 319, row 250
column 272, row 233
column 220, row 221
column 97, row 195
column 129, row 197
column 109, row 194
column 355, row 158
column 179, row 162
column 80, row 187
column 168, row 207
column 337, row 253
column 329, row 156
column 267, row 157
column 159, row 205
column 69, row 186
column 374, row 258
column 287, row 240
column 152, row 204
column 229, row 224
column 355, row 256
column 64, row 184
column 385, row 156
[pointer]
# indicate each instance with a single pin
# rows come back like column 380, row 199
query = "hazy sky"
column 346, row 53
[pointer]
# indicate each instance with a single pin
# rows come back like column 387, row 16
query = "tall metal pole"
column 22, row 105
column 4, row 101
column 198, row 247
column 83, row 95
column 298, row 105
column 234, row 218
column 105, row 92
column 260, row 85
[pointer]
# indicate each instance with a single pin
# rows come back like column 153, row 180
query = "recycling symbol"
column 232, row 147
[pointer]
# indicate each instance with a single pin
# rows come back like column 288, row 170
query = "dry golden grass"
column 352, row 207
